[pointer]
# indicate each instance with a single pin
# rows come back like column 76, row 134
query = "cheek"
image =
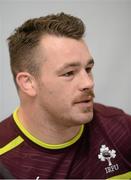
column 60, row 99
column 56, row 93
column 51, row 93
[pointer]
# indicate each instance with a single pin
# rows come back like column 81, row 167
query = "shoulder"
column 107, row 110
column 9, row 135
column 113, row 120
column 110, row 112
column 6, row 124
column 6, row 130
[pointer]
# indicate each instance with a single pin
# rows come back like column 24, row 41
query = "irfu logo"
column 106, row 154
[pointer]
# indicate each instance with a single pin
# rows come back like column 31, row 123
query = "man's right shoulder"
column 9, row 135
column 7, row 131
column 4, row 124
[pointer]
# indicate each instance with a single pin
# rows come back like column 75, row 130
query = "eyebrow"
column 75, row 64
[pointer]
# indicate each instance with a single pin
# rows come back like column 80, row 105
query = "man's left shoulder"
column 114, row 120
column 113, row 127
column 111, row 112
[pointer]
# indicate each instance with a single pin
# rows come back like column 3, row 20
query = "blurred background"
column 108, row 35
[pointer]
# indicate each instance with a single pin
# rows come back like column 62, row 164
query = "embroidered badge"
column 107, row 155
column 37, row 178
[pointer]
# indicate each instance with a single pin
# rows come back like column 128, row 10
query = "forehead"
column 60, row 50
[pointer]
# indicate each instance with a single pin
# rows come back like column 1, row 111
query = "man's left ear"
column 26, row 83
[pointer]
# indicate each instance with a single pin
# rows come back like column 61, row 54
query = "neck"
column 43, row 129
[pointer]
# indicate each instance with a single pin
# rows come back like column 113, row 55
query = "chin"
column 88, row 118
column 84, row 118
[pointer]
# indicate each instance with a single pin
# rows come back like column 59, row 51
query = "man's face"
column 65, row 86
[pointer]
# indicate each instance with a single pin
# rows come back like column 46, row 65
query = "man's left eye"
column 88, row 70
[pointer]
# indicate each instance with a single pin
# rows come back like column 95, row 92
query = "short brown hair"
column 24, row 41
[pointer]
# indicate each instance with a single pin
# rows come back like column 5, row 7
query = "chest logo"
column 107, row 155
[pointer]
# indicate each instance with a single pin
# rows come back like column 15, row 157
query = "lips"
column 87, row 100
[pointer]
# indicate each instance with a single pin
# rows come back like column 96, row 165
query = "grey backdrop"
column 108, row 36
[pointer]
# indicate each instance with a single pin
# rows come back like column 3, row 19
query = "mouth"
column 84, row 101
column 86, row 104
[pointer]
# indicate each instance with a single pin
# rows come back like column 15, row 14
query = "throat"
column 66, row 135
column 59, row 136
column 48, row 136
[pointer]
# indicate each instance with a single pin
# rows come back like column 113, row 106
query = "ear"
column 26, row 83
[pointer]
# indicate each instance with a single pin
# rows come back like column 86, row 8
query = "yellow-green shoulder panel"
column 11, row 145
column 126, row 176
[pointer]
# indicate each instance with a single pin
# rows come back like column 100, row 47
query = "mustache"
column 86, row 95
column 89, row 93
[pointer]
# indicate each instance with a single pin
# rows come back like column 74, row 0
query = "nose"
column 86, row 81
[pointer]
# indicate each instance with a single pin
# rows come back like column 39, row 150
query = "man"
column 58, row 131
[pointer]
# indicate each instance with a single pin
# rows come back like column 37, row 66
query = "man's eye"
column 88, row 70
column 68, row 74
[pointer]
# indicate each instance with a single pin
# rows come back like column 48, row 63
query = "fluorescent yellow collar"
column 41, row 143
